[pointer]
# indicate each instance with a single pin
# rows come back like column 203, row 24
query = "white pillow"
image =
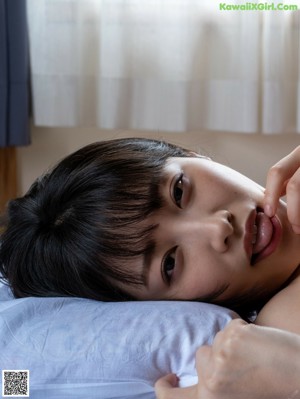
column 78, row 348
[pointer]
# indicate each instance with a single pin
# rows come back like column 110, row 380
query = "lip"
column 249, row 227
column 273, row 244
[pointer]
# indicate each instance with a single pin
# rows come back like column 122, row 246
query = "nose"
column 219, row 228
column 213, row 230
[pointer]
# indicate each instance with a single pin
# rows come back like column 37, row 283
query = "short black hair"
column 72, row 233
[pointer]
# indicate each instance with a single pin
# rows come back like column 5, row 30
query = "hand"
column 284, row 179
column 245, row 361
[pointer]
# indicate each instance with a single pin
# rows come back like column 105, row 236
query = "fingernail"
column 296, row 228
column 268, row 210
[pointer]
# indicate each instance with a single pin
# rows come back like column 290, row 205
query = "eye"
column 178, row 190
column 168, row 265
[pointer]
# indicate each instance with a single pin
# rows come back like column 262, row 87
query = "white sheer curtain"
column 169, row 65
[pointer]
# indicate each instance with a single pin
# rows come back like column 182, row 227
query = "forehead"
column 196, row 161
column 199, row 164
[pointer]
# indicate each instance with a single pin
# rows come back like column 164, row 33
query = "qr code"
column 15, row 383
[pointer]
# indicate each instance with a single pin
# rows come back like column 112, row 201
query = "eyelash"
column 178, row 181
column 169, row 256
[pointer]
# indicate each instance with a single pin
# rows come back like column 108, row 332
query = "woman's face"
column 212, row 240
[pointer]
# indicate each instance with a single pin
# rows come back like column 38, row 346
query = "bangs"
column 126, row 229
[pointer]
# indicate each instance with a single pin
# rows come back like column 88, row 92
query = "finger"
column 293, row 201
column 232, row 325
column 169, row 380
column 222, row 337
column 236, row 322
column 204, row 358
column 166, row 388
column 277, row 177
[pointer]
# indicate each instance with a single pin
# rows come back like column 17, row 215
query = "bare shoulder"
column 283, row 310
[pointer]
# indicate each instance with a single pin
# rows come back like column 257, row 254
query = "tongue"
column 264, row 232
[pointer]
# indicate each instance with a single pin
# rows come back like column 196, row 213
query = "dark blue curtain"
column 14, row 74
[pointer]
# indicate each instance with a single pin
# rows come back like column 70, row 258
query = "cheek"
column 220, row 193
column 234, row 185
column 203, row 278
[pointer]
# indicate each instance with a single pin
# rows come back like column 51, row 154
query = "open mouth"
column 265, row 236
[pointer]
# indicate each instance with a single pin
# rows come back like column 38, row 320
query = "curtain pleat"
column 14, row 74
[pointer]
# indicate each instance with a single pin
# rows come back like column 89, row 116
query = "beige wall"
column 250, row 154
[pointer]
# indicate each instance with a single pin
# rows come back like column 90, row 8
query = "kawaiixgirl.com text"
column 258, row 6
